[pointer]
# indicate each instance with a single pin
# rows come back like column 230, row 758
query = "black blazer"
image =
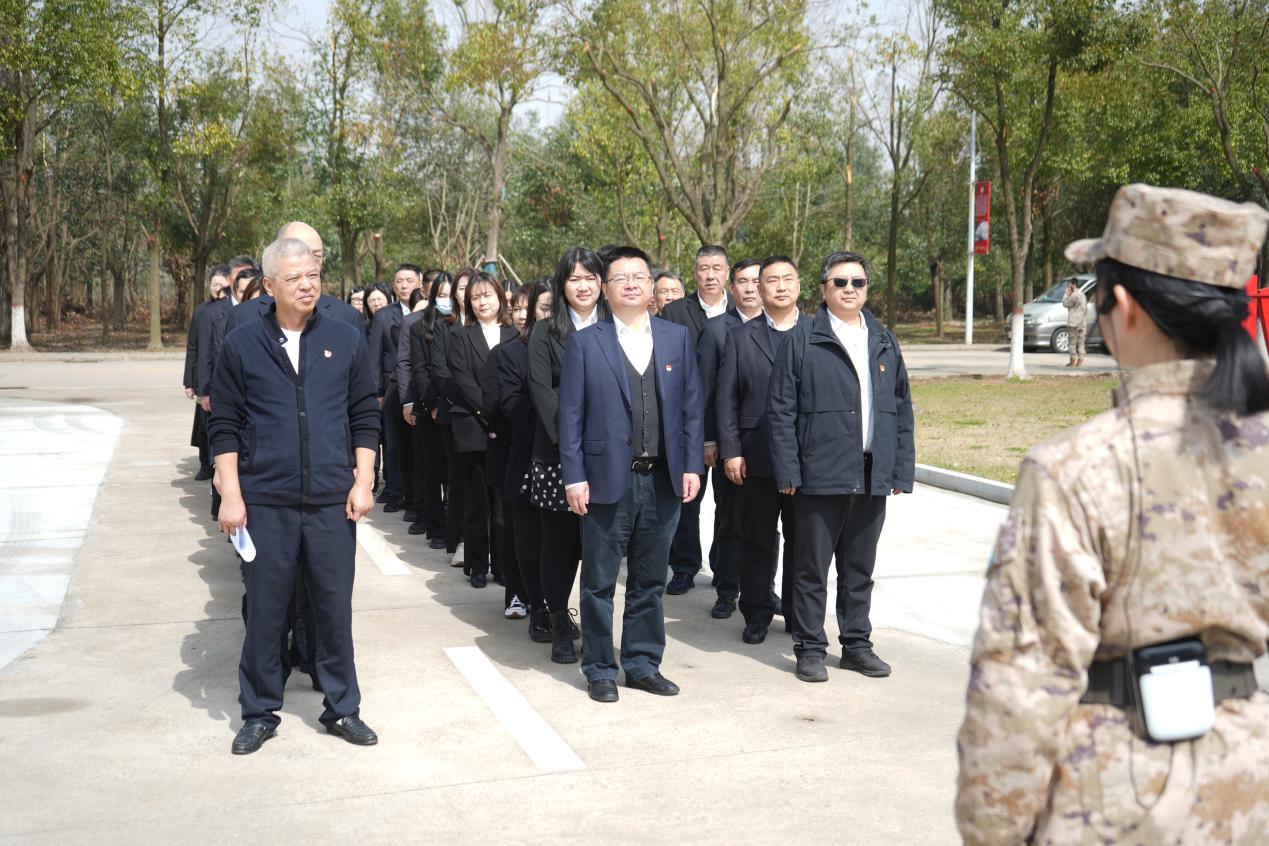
column 510, row 417
column 210, row 328
column 709, row 353
column 546, row 360
column 688, row 312
column 191, row 346
column 438, row 370
column 744, row 380
column 468, row 356
column 426, row 392
column 385, row 332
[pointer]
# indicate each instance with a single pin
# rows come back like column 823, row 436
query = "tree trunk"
column 105, row 306
column 936, row 279
column 499, row 167
column 999, row 301
column 892, row 251
column 348, row 253
column 156, row 304
column 663, row 223
column 381, row 263
column 121, row 290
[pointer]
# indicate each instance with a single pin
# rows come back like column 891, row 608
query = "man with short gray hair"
column 295, row 412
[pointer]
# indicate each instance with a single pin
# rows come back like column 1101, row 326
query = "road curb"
column 987, row 489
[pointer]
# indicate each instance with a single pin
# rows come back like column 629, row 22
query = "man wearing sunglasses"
column 841, row 442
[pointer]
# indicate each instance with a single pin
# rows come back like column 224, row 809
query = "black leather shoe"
column 655, row 683
column 777, row 604
column 354, row 731
column 754, row 633
column 479, row 580
column 865, row 661
column 811, row 668
column 418, row 527
column 203, row 474
column 409, row 516
column 602, row 690
column 393, row 505
column 434, row 543
column 316, row 684
column 540, row 626
column 251, row 737
column 680, row 584
column 562, row 649
column 382, row 497
column 723, row 608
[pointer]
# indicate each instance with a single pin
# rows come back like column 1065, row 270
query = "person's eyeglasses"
column 843, row 281
column 638, row 279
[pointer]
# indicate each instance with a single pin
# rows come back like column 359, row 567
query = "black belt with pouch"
column 1110, row 682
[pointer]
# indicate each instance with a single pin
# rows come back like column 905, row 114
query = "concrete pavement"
column 120, row 720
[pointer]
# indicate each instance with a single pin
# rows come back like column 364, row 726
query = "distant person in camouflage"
column 1146, row 527
column 1076, row 322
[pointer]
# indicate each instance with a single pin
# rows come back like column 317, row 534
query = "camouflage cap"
column 1179, row 233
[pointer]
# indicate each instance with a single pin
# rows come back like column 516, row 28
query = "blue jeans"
column 640, row 526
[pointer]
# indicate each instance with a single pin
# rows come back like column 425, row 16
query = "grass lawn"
column 923, row 332
column 985, row 426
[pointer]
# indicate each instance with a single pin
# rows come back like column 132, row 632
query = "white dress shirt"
column 713, row 310
column 580, row 322
column 636, row 342
column 492, row 333
column 854, row 338
column 775, row 326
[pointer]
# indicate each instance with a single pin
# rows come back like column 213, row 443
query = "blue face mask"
column 444, row 306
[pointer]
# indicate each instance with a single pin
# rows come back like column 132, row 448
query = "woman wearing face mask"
column 440, row 375
column 507, row 405
column 434, row 415
column 483, row 518
column 576, row 303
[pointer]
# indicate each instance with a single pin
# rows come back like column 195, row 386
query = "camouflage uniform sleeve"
column 1037, row 632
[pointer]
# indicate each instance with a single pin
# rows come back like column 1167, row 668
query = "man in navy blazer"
column 631, row 448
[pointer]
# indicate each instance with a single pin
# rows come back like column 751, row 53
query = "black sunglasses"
column 843, row 281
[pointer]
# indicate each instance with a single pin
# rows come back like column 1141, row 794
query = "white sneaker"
column 516, row 609
column 457, row 560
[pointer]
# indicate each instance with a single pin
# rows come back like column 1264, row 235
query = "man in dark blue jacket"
column 841, row 442
column 294, row 429
column 744, row 446
column 630, row 435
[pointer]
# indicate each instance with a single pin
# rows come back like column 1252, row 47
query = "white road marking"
column 540, row 742
column 371, row 540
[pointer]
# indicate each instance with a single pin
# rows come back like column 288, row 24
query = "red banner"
column 982, row 218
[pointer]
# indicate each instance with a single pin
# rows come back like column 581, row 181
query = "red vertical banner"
column 982, row 218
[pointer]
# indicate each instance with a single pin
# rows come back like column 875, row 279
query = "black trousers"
column 561, row 553
column 324, row 542
column 685, row 548
column 847, row 527
column 456, row 501
column 478, row 526
column 526, row 529
column 303, row 628
column 763, row 510
column 727, row 552
column 502, row 542
column 429, row 472
column 401, row 444
column 200, row 438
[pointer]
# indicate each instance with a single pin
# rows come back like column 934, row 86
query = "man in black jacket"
column 385, row 334
column 726, row 552
column 219, row 278
column 710, row 300
column 841, row 441
column 294, row 430
column 744, row 446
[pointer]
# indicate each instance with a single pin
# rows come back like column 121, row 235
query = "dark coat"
column 689, row 312
column 212, row 321
column 438, row 369
column 813, row 409
column 546, row 361
column 385, row 332
column 516, row 408
column 709, row 352
column 425, row 390
column 594, row 424
column 295, row 436
column 191, row 346
column 744, row 382
column 468, row 355
column 404, row 372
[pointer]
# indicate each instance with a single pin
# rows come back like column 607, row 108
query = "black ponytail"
column 1207, row 321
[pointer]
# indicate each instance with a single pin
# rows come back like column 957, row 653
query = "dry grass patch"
column 985, row 426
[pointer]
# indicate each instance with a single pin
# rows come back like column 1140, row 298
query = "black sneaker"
column 540, row 626
column 754, row 633
column 562, row 649
column 680, row 584
column 811, row 668
column 410, row 515
column 865, row 662
column 418, row 527
column 393, row 505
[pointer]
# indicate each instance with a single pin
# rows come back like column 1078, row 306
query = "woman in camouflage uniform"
column 1145, row 525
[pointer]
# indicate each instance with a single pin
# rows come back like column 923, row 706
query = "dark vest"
column 645, row 412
